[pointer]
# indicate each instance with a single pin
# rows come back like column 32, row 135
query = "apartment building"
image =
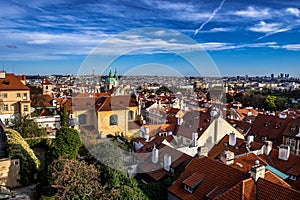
column 14, row 96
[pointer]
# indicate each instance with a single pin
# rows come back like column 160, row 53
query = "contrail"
column 210, row 18
column 276, row 31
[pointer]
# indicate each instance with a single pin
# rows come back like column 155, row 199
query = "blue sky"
column 242, row 37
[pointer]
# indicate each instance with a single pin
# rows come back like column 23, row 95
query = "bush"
column 17, row 148
column 67, row 142
column 28, row 128
column 39, row 142
column 73, row 179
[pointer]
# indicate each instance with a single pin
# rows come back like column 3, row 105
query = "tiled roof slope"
column 271, row 127
column 11, row 82
column 215, row 174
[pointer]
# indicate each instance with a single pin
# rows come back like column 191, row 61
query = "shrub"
column 17, row 148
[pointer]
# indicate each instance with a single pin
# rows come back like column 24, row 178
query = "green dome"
column 110, row 79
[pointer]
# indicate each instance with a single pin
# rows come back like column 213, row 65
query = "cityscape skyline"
column 253, row 38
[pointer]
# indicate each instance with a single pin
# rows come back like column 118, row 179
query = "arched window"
column 82, row 119
column 113, row 120
column 130, row 115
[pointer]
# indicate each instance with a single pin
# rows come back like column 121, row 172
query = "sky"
column 250, row 37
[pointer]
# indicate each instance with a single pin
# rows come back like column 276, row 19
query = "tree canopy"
column 27, row 127
column 67, row 142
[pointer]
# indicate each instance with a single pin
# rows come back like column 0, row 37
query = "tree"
column 127, row 187
column 63, row 116
column 67, row 142
column 28, row 128
column 72, row 179
column 109, row 154
column 270, row 101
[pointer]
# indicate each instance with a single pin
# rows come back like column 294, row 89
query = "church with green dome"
column 111, row 81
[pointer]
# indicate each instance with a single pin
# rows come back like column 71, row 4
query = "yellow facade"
column 9, row 172
column 15, row 102
column 105, row 127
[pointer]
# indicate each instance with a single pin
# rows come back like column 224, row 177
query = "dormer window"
column 267, row 123
column 294, row 178
column 277, row 125
column 192, row 182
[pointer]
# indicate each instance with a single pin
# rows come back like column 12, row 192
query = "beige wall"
column 122, row 126
column 216, row 131
column 12, row 100
column 9, row 172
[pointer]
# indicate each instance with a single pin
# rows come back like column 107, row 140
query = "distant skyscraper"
column 272, row 75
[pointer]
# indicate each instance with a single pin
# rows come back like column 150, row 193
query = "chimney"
column 267, row 147
column 2, row 74
column 250, row 139
column 179, row 121
column 232, row 139
column 202, row 151
column 284, row 152
column 146, row 130
column 258, row 171
column 54, row 102
column 167, row 162
column 154, row 155
column 227, row 157
column 298, row 135
column 141, row 131
column 194, row 139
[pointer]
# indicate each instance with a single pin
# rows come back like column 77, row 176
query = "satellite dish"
column 257, row 162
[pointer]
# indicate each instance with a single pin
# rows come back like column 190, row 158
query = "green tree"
column 27, row 127
column 109, row 154
column 67, row 142
column 128, row 187
column 63, row 116
column 72, row 179
column 270, row 101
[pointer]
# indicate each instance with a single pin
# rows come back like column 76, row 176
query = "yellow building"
column 14, row 96
column 108, row 114
column 9, row 172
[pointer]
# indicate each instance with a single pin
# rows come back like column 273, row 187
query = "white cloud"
column 222, row 29
column 293, row 11
column 253, row 12
column 264, row 27
column 292, row 47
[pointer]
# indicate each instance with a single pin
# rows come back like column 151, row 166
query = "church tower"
column 111, row 81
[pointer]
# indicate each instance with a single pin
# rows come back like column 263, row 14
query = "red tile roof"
column 239, row 148
column 271, row 127
column 246, row 188
column 11, row 82
column 109, row 103
column 194, row 121
column 156, row 171
column 271, row 191
column 193, row 180
column 215, row 174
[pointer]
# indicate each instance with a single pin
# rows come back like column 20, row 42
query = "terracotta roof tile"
column 109, row 103
column 194, row 179
column 272, row 191
column 269, row 127
column 11, row 82
column 215, row 174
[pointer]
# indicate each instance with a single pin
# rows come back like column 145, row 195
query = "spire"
column 110, row 73
column 116, row 75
